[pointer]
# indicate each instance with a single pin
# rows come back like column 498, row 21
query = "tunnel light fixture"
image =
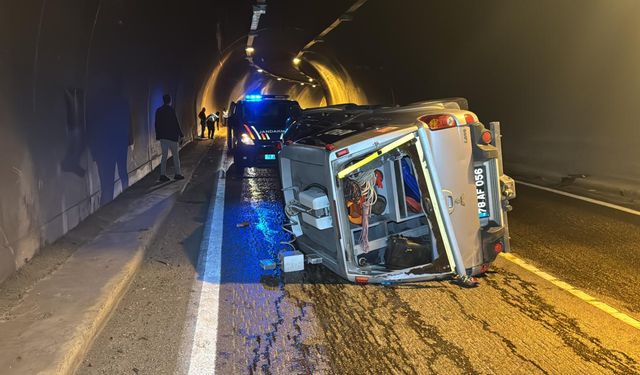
column 314, row 86
column 260, row 70
column 258, row 10
column 279, row 78
column 310, row 79
column 296, row 60
column 301, row 83
column 249, row 50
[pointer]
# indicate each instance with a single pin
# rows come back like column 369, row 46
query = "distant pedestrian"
column 203, row 121
column 225, row 116
column 217, row 120
column 168, row 132
column 211, row 120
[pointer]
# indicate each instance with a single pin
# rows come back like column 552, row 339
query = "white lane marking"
column 573, row 290
column 590, row 200
column 202, row 336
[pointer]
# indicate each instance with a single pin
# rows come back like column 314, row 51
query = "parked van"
column 398, row 194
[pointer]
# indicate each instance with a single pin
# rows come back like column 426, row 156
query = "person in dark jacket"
column 203, row 121
column 211, row 120
column 217, row 120
column 168, row 132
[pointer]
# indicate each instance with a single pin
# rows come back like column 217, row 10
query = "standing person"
column 217, row 120
column 168, row 132
column 210, row 122
column 203, row 121
column 225, row 116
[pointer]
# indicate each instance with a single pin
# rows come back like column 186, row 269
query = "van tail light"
column 498, row 247
column 329, row 147
column 278, row 146
column 468, row 118
column 486, row 137
column 437, row 122
column 342, row 152
column 362, row 280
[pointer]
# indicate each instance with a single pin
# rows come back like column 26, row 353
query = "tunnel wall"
column 561, row 76
column 79, row 84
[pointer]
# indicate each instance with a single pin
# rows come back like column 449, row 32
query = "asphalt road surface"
column 314, row 322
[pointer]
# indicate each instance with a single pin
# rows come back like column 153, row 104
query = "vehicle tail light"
column 468, row 118
column 249, row 132
column 246, row 139
column 342, row 152
column 437, row 122
column 329, row 147
column 497, row 247
column 278, row 146
column 362, row 280
column 486, row 137
column 288, row 142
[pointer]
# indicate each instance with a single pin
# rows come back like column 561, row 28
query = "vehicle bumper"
column 257, row 155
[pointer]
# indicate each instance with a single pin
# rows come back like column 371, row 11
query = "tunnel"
column 81, row 81
column 382, row 241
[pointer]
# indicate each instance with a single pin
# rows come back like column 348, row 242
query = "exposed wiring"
column 366, row 183
column 294, row 207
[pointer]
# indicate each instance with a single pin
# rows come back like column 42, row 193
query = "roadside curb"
column 57, row 322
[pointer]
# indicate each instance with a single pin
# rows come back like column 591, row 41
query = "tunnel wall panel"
column 561, row 76
column 79, row 85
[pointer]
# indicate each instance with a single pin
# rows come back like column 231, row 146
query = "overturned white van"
column 384, row 195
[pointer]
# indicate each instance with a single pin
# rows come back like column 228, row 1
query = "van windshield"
column 267, row 113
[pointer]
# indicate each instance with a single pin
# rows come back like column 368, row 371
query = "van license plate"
column 480, row 178
column 270, row 157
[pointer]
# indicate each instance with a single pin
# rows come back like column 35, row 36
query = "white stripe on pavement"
column 200, row 346
column 590, row 200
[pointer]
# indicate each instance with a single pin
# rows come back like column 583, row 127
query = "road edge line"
column 201, row 332
column 573, row 290
column 580, row 197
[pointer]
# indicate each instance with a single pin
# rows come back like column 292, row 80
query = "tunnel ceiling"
column 287, row 27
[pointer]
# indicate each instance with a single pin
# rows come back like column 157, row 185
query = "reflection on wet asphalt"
column 314, row 322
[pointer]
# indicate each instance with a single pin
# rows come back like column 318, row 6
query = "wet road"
column 313, row 322
column 592, row 247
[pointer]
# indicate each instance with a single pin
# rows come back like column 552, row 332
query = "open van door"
column 417, row 148
column 452, row 193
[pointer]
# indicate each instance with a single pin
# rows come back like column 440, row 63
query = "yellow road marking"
column 571, row 289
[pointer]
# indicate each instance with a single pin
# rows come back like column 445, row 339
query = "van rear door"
column 448, row 154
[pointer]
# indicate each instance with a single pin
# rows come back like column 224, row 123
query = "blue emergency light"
column 253, row 98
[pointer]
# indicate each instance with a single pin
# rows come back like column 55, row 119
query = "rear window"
column 267, row 113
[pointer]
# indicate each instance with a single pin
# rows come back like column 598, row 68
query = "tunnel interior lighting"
column 301, row 83
column 253, row 98
column 279, row 78
column 313, row 86
column 260, row 70
column 296, row 60
column 249, row 50
column 310, row 79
